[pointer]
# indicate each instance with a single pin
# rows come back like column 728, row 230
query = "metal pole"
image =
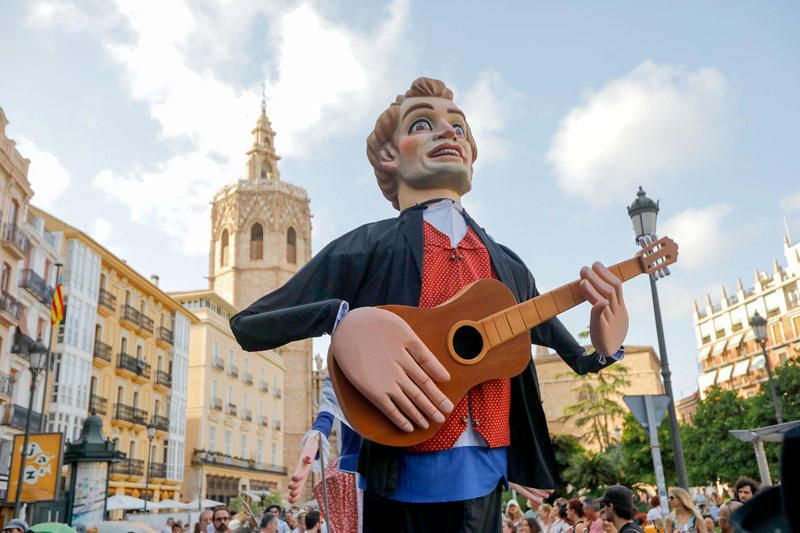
column 147, row 472
column 47, row 367
column 655, row 450
column 772, row 392
column 666, row 374
column 761, row 460
column 20, row 477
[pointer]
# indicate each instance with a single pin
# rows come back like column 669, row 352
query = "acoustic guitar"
column 480, row 334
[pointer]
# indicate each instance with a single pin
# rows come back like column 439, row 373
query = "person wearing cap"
column 514, row 513
column 17, row 525
column 617, row 502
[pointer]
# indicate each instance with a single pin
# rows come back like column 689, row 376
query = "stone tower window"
column 263, row 173
column 256, row 242
column 223, row 254
column 291, row 246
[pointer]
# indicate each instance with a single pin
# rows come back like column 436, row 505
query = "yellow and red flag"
column 57, row 308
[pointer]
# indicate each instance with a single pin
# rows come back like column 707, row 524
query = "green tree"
column 598, row 404
column 638, row 459
column 591, row 472
column 711, row 452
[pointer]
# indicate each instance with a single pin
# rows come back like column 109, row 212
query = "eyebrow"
column 425, row 105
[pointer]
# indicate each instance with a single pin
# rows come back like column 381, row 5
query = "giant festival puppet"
column 432, row 323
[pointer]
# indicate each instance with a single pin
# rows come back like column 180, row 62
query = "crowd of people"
column 274, row 519
column 616, row 511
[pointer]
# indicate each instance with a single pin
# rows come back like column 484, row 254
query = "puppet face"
column 432, row 149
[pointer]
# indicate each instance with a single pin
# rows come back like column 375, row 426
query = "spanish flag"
column 57, row 309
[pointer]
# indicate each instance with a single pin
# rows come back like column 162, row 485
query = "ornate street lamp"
column 151, row 433
column 759, row 325
column 644, row 212
column 37, row 361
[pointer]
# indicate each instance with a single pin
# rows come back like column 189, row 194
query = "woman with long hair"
column 684, row 516
column 514, row 513
column 575, row 516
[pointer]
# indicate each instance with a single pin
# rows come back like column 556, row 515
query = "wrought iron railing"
column 98, row 404
column 137, row 366
column 10, row 305
column 107, row 299
column 36, row 285
column 16, row 236
column 165, row 334
column 102, row 351
column 163, row 378
column 128, row 413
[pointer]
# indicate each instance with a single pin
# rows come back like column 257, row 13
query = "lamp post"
column 644, row 212
column 49, row 347
column 151, row 433
column 759, row 325
column 37, row 360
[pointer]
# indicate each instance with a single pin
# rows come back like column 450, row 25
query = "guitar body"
column 438, row 328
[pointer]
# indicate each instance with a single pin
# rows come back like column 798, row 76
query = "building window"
column 5, row 279
column 223, row 254
column 212, row 438
column 291, row 246
column 243, row 452
column 274, row 453
column 777, row 333
column 227, row 442
column 256, row 242
column 796, row 322
column 720, row 333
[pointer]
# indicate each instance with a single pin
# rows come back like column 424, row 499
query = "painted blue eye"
column 459, row 129
column 422, row 124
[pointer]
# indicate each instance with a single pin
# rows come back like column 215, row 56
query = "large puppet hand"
column 535, row 495
column 608, row 324
column 303, row 468
column 388, row 363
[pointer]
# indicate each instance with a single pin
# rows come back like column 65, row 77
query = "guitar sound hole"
column 467, row 342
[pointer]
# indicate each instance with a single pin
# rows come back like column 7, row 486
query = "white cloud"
column 47, row 175
column 101, row 230
column 655, row 122
column 791, row 202
column 701, row 237
column 488, row 104
column 329, row 78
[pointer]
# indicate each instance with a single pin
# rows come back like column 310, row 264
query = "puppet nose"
column 445, row 130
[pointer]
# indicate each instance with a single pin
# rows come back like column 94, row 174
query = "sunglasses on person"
column 222, row 519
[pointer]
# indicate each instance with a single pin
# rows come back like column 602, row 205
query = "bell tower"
column 261, row 236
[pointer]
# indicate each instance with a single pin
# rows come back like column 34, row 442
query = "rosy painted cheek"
column 409, row 146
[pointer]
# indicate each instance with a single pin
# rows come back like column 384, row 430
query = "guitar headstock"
column 656, row 255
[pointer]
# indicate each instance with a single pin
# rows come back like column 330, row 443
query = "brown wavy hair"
column 381, row 140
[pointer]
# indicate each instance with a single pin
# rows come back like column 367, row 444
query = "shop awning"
column 758, row 363
column 719, row 346
column 706, row 380
column 724, row 373
column 734, row 341
column 740, row 369
column 704, row 352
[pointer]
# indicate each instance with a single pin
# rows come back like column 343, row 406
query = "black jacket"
column 381, row 263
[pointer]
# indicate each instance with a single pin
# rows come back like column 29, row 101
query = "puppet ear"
column 388, row 157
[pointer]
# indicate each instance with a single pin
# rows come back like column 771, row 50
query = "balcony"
column 163, row 379
column 15, row 240
column 218, row 363
column 263, row 386
column 146, row 324
column 158, row 470
column 139, row 369
column 98, row 405
column 106, row 302
column 6, row 385
column 231, row 410
column 9, row 309
column 276, row 425
column 247, row 415
column 161, row 422
column 15, row 416
column 128, row 413
column 233, row 370
column 264, row 421
column 129, row 467
column 36, row 285
column 129, row 317
column 102, row 353
column 212, row 458
column 247, row 377
column 165, row 337
column 216, row 404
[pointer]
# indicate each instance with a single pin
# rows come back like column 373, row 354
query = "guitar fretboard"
column 507, row 324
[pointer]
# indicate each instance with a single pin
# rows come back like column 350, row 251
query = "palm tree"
column 591, row 471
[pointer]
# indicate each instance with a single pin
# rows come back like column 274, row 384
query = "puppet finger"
column 591, row 294
column 390, row 410
column 424, row 382
column 408, row 408
column 609, row 277
column 605, row 289
column 421, row 401
column 427, row 361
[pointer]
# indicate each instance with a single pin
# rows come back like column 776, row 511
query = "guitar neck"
column 507, row 324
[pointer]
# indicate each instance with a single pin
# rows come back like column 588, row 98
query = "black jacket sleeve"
column 306, row 305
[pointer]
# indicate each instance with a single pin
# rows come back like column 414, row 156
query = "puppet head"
column 422, row 140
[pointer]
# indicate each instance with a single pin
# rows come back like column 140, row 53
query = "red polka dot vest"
column 445, row 271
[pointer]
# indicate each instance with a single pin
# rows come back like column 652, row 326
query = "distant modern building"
column 557, row 384
column 728, row 354
column 28, row 254
column 122, row 352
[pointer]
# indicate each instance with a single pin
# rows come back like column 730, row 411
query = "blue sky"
column 134, row 113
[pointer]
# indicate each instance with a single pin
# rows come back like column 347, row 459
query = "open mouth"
column 446, row 150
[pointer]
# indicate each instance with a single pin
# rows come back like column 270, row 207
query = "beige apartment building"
column 122, row 352
column 728, row 354
column 234, row 412
column 557, row 381
column 247, row 433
